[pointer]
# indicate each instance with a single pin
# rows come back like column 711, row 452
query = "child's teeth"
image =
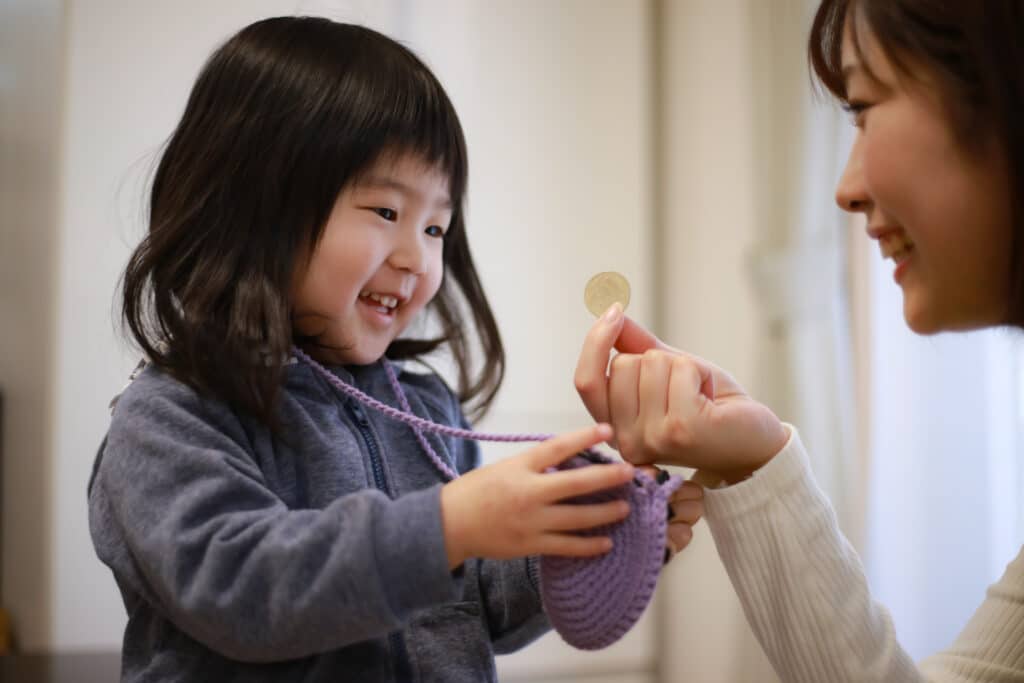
column 384, row 300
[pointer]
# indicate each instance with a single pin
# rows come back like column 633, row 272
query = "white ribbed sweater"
column 803, row 590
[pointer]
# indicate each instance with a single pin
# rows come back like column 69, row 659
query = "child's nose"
column 410, row 254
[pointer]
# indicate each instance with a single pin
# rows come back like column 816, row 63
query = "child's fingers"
column 579, row 517
column 571, row 545
column 562, row 447
column 583, row 480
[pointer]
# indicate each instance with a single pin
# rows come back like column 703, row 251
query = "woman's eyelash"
column 855, row 109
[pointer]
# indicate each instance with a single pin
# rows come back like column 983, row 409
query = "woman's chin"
column 927, row 320
column 920, row 319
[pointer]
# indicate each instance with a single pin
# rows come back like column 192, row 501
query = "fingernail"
column 613, row 313
column 604, row 430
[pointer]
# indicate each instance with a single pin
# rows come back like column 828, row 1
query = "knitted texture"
column 594, row 601
column 591, row 601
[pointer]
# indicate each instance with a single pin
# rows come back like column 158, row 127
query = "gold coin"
column 603, row 290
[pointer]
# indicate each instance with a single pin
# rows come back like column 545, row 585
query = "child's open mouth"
column 383, row 304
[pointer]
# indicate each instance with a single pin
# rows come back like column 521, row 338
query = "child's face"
column 940, row 212
column 378, row 263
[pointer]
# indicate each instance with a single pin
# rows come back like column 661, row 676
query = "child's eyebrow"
column 388, row 183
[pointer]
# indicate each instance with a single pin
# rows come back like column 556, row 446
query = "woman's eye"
column 435, row 231
column 856, row 110
column 387, row 214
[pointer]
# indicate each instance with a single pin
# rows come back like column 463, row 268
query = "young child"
column 262, row 526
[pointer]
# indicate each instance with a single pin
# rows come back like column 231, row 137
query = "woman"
column 936, row 90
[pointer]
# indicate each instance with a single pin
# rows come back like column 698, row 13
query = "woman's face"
column 940, row 212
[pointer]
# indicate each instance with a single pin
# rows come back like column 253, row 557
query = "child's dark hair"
column 282, row 117
column 974, row 53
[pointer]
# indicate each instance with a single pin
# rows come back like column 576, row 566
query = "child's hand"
column 512, row 509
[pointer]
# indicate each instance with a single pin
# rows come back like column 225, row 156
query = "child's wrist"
column 451, row 530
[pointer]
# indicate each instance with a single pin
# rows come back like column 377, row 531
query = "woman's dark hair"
column 974, row 51
column 281, row 118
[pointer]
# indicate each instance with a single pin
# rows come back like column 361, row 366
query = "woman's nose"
column 851, row 193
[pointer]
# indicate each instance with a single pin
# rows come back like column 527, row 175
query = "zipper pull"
column 357, row 410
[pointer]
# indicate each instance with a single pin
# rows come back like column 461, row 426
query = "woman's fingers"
column 623, row 390
column 653, row 383
column 689, row 386
column 687, row 512
column 591, row 368
column 687, row 504
column 679, row 536
column 635, row 338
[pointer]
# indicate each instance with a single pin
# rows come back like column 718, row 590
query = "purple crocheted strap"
column 412, row 420
column 397, row 388
column 418, row 423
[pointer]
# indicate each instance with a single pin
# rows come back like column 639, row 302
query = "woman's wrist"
column 718, row 478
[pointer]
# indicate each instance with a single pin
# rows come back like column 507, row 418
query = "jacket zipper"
column 396, row 641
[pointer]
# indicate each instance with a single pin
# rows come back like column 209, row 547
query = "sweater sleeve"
column 180, row 512
column 801, row 584
column 805, row 595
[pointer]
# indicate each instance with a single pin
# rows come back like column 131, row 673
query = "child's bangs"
column 405, row 112
column 426, row 126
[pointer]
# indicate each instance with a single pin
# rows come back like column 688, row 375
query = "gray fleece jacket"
column 312, row 555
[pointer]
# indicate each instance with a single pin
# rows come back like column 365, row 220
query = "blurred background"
column 679, row 142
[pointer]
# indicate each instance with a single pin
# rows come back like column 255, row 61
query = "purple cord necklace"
column 591, row 601
column 417, row 423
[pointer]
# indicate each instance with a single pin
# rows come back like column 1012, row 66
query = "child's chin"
column 366, row 356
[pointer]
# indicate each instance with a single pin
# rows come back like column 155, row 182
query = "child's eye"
column 387, row 214
column 435, row 231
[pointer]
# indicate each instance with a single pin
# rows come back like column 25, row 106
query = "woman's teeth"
column 895, row 246
column 383, row 299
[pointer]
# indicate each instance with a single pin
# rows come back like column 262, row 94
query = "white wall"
column 710, row 226
column 31, row 69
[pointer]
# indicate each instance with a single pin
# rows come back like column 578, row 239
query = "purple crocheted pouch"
column 592, row 601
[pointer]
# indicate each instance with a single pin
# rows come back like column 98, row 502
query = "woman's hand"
column 671, row 407
column 686, row 507
column 512, row 508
